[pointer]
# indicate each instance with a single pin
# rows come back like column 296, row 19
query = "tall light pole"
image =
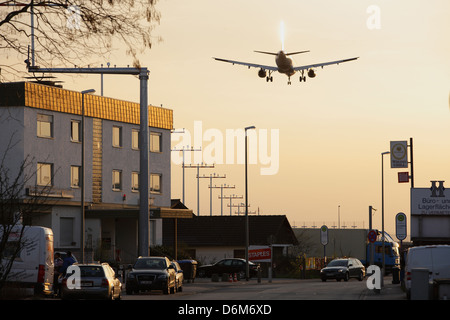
column 382, row 212
column 83, row 171
column 247, row 272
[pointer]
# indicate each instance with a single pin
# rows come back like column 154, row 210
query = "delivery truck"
column 33, row 264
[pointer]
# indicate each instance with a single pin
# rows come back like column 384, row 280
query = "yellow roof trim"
column 62, row 100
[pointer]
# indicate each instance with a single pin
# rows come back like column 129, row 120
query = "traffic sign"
column 324, row 235
column 403, row 177
column 400, row 226
column 399, row 154
column 372, row 236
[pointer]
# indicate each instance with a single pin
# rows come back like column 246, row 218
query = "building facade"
column 42, row 126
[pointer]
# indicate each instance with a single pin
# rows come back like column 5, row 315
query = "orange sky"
column 333, row 128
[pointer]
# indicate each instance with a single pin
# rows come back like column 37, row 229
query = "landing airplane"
column 285, row 65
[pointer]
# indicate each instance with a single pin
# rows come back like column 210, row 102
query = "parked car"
column 151, row 273
column 230, row 266
column 179, row 276
column 97, row 280
column 343, row 269
column 435, row 258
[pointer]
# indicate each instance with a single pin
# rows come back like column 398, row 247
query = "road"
column 278, row 289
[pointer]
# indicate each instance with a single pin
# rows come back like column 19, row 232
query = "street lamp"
column 382, row 212
column 247, row 272
column 83, row 171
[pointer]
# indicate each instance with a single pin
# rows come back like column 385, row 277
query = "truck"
column 392, row 254
column 350, row 243
column 33, row 265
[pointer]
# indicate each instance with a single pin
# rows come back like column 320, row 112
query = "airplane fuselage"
column 285, row 65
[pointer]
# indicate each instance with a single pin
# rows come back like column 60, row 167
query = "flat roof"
column 34, row 95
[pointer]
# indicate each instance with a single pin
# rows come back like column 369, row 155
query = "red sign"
column 403, row 177
column 372, row 236
column 259, row 254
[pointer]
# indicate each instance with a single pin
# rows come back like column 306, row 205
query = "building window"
column 44, row 126
column 75, row 131
column 155, row 142
column 135, row 181
column 155, row 183
column 117, row 137
column 135, row 139
column 44, row 174
column 117, row 180
column 66, row 226
column 75, row 176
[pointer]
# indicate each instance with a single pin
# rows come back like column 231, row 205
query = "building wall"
column 20, row 123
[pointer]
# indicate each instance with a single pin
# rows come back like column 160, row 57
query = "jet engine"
column 261, row 73
column 311, row 73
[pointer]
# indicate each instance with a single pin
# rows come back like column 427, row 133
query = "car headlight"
column 130, row 275
column 162, row 276
column 340, row 270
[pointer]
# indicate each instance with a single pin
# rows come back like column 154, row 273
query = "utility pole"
column 231, row 198
column 198, row 167
column 222, row 186
column 239, row 205
column 211, row 176
column 183, row 150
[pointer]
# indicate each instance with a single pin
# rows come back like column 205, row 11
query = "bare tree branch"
column 73, row 32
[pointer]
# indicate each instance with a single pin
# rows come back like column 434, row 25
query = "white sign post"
column 399, row 154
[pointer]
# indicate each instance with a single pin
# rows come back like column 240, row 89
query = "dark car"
column 151, row 273
column 345, row 269
column 229, row 266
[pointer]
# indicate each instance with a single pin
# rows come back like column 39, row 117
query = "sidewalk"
column 388, row 292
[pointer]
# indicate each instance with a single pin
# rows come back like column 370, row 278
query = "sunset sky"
column 333, row 128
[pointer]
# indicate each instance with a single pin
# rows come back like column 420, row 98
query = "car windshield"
column 337, row 263
column 150, row 263
column 92, row 271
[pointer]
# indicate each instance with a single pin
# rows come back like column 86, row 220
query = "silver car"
column 92, row 280
column 179, row 276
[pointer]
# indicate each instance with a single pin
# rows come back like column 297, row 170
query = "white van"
column 435, row 258
column 33, row 266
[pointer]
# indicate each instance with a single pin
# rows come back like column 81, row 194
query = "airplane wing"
column 250, row 65
column 323, row 64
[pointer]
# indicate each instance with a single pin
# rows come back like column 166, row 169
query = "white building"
column 43, row 124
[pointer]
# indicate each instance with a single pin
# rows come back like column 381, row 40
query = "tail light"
column 105, row 283
column 41, row 274
column 408, row 276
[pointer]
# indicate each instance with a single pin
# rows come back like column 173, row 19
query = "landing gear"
column 269, row 77
column 303, row 77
